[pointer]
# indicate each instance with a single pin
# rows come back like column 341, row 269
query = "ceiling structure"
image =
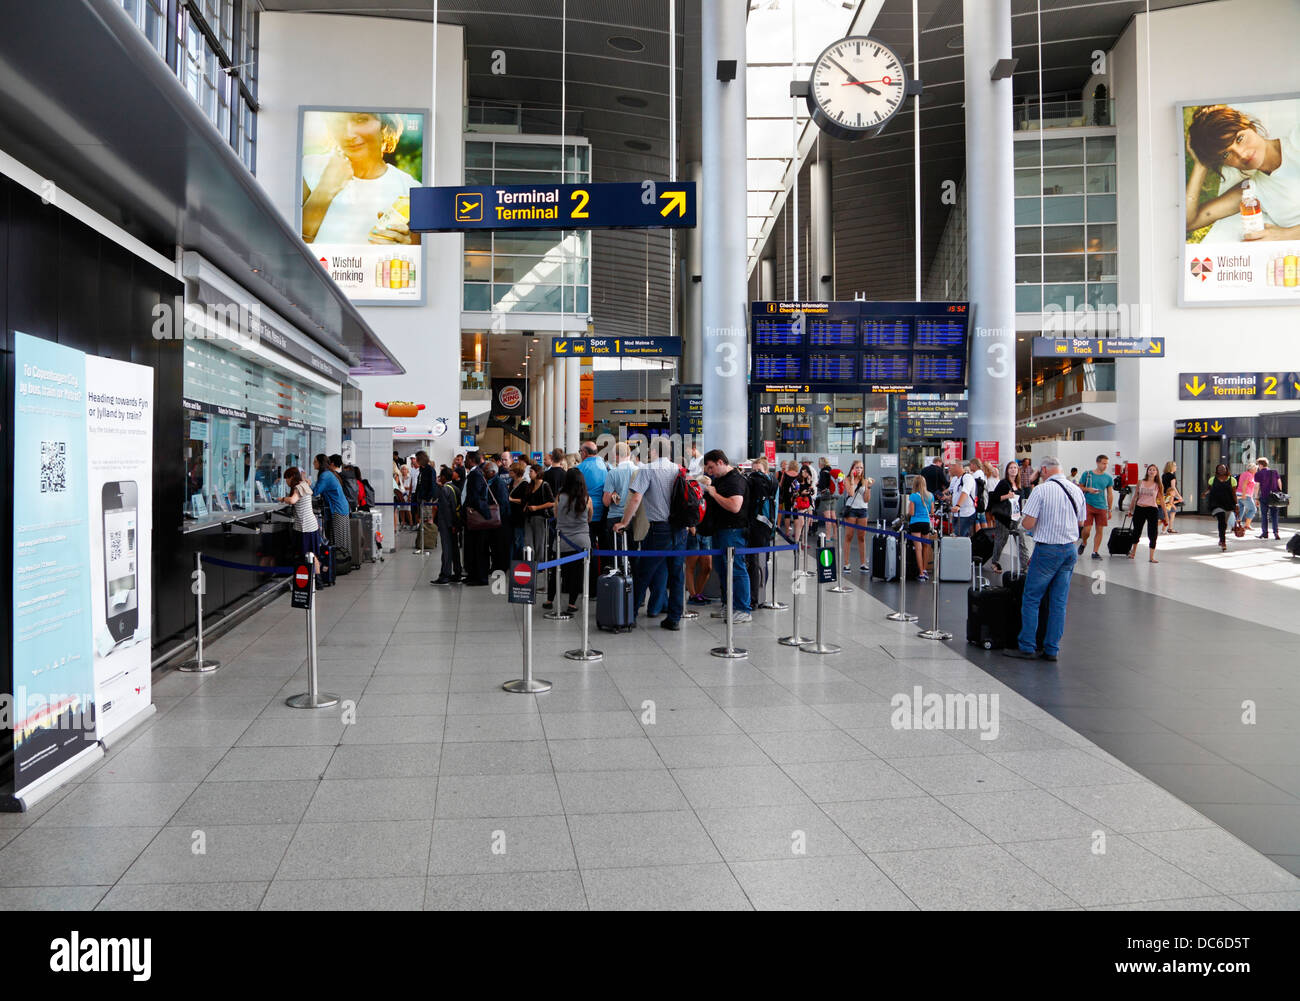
column 616, row 85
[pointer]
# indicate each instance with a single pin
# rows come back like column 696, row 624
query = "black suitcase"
column 1122, row 539
column 615, row 612
column 884, row 557
column 981, row 545
column 1293, row 545
column 326, row 556
column 993, row 616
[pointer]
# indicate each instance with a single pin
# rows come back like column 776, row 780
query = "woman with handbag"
column 1271, row 497
column 1173, row 499
column 573, row 525
column 1222, row 495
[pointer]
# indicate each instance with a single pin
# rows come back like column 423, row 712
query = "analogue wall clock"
column 857, row 85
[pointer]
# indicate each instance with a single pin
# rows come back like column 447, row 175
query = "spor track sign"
column 623, row 205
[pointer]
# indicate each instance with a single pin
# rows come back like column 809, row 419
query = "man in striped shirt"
column 1053, row 515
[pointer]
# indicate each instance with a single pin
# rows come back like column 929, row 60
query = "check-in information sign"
column 620, row 205
column 1239, row 385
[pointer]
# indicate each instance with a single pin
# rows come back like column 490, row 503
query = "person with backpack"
column 426, row 495
column 669, row 497
column 761, row 511
column 446, row 514
column 346, row 480
column 334, row 502
column 1098, row 488
column 962, row 490
column 725, row 492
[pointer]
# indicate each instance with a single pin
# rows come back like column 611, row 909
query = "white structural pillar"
column 766, row 280
column 990, row 227
column 538, row 414
column 724, row 297
column 554, row 390
column 822, row 283
column 572, row 399
column 692, row 342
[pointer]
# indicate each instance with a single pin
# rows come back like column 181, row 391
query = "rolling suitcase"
column 956, row 561
column 982, row 546
column 615, row 612
column 363, row 535
column 1122, row 539
column 884, row 557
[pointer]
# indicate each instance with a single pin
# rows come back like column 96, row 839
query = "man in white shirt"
column 1053, row 515
column 962, row 488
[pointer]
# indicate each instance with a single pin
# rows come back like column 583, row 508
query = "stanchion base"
column 795, row 640
column 774, row 606
column 199, row 666
column 934, row 634
column 557, row 616
column 841, row 589
column 583, row 655
column 729, row 652
column 323, row 700
column 525, row 687
column 901, row 617
column 815, row 647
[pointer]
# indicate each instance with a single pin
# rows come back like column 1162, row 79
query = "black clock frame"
column 829, row 125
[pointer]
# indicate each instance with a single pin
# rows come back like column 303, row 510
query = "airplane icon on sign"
column 469, row 208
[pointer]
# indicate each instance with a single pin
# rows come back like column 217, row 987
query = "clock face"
column 857, row 85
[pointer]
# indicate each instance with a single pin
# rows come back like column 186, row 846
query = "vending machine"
column 888, row 491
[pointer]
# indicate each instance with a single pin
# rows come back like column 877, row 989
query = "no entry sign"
column 523, row 583
column 301, row 596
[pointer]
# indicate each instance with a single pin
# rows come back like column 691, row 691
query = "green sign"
column 826, row 573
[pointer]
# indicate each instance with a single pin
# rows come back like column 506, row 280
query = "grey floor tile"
column 147, row 764
column 1283, row 901
column 364, row 850
column 577, row 725
column 1136, row 806
column 51, row 898
column 243, row 896
column 890, row 744
column 702, row 887
column 501, row 757
column 1219, row 860
column 775, row 832
column 621, row 840
column 192, row 733
column 524, row 891
column 363, row 799
column 1124, row 873
column 981, row 877
column 793, row 747
column 1191, row 904
column 496, row 700
column 844, row 781
column 402, row 704
column 687, row 722
column 708, row 750
column 598, row 754
column 323, row 727
column 951, row 774
column 738, row 786
column 253, row 802
column 752, row 696
column 907, row 824
column 1228, row 783
column 858, row 715
column 118, row 804
column 778, row 719
column 1054, row 769
column 413, row 684
column 619, row 791
column 394, row 730
column 392, row 893
column 497, row 796
column 378, row 761
column 230, row 854
column 242, row 764
column 232, row 707
column 494, row 727
column 1021, row 815
column 845, row 882
column 500, row 844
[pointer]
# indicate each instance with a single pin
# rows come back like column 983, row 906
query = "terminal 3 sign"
column 623, row 205
column 1239, row 385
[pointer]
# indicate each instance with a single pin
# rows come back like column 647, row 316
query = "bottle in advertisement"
column 1252, row 213
column 411, row 283
column 1279, row 268
column 379, row 274
column 1268, row 273
column 387, row 273
column 406, row 273
column 1289, row 270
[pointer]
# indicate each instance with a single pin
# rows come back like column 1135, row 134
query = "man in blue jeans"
column 1053, row 515
column 725, row 492
column 653, row 485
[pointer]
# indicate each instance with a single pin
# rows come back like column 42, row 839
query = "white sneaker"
column 742, row 617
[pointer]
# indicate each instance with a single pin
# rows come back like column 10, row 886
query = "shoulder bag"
column 474, row 519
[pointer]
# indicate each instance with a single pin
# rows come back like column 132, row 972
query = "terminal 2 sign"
column 1239, row 385
column 622, row 205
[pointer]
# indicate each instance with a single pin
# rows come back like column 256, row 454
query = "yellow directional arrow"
column 827, row 408
column 1195, row 387
column 1297, row 386
column 561, row 347
column 1156, row 347
column 676, row 199
column 1216, row 426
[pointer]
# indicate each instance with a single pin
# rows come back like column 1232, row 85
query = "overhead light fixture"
column 628, row 101
column 624, row 43
column 639, row 145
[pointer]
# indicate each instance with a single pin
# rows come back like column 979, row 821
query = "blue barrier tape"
column 283, row 571
column 551, row 564
column 857, row 528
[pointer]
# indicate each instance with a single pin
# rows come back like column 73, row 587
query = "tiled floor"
column 660, row 777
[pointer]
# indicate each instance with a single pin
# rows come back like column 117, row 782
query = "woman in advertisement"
column 354, row 194
column 1220, row 136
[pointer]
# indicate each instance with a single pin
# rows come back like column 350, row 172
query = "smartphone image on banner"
column 121, row 538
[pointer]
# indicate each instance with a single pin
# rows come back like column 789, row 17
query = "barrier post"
column 313, row 698
column 772, row 604
column 730, row 651
column 818, row 645
column 586, row 653
column 902, row 614
column 556, row 614
column 841, row 587
column 796, row 638
column 199, row 665
column 528, row 685
column 934, row 632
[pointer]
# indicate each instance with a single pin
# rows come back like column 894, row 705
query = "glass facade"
column 527, row 271
column 212, row 49
column 1065, row 215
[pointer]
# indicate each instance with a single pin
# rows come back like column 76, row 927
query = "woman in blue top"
column 919, row 502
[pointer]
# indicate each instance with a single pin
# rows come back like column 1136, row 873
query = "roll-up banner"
column 82, row 493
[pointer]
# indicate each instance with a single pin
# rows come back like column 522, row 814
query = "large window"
column 212, row 49
column 528, row 271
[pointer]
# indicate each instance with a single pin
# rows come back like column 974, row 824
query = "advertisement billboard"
column 356, row 169
column 1241, row 240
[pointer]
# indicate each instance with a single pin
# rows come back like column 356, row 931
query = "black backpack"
column 980, row 489
column 761, row 506
column 686, row 508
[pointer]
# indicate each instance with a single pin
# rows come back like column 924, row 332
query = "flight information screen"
column 860, row 346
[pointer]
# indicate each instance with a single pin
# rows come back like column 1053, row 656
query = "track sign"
column 301, row 596
column 523, row 583
column 826, row 565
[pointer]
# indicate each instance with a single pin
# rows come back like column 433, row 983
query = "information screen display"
column 861, row 346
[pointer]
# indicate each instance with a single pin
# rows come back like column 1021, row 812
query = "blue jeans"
column 646, row 574
column 963, row 524
column 1048, row 578
column 734, row 537
column 1249, row 509
column 1265, row 514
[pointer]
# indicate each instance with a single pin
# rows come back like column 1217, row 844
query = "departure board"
column 852, row 347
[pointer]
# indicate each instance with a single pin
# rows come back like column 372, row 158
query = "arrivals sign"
column 621, row 205
column 610, row 347
column 1239, row 385
column 1099, row 347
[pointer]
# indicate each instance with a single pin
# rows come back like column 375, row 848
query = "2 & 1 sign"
column 622, row 205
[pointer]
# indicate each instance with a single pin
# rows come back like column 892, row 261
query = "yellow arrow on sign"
column 827, row 408
column 676, row 199
column 1297, row 386
column 561, row 347
column 1216, row 426
column 1156, row 347
column 1195, row 387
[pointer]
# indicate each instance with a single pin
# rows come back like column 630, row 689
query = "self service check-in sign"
column 631, row 205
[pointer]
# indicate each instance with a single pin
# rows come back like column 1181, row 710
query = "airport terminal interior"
column 671, row 455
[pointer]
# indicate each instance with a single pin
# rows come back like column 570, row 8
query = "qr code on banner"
column 115, row 545
column 54, row 467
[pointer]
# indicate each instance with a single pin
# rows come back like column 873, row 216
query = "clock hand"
column 852, row 78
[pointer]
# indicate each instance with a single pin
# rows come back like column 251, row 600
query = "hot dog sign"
column 400, row 408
